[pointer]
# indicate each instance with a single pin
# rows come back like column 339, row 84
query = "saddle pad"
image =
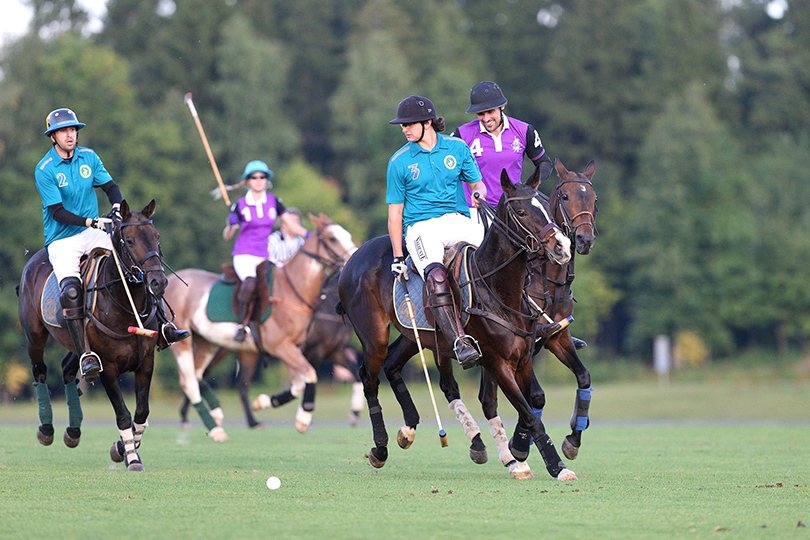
column 220, row 302
column 51, row 305
column 415, row 285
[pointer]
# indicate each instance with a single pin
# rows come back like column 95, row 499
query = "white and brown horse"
column 295, row 291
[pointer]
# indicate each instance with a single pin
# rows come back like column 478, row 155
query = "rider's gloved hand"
column 399, row 268
column 101, row 223
column 115, row 215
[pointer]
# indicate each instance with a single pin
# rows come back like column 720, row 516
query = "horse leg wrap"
column 377, row 423
column 519, row 445
column 308, row 403
column 279, row 399
column 409, row 412
column 471, row 429
column 44, row 402
column 498, row 433
column 75, row 415
column 137, row 431
column 205, row 415
column 539, row 414
column 207, row 393
column 551, row 458
column 130, row 452
column 579, row 420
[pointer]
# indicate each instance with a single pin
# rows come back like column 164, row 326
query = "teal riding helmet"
column 258, row 166
column 61, row 118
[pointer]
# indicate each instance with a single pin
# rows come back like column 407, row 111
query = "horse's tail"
column 339, row 309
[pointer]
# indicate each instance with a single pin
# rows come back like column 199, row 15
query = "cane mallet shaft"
column 442, row 432
column 139, row 330
column 193, row 110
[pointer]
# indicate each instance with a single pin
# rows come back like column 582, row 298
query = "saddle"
column 223, row 303
column 51, row 305
column 456, row 262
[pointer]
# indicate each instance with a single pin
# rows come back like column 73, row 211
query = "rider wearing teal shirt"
column 70, row 182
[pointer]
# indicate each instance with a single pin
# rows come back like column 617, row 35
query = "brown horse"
column 501, row 321
column 573, row 205
column 327, row 341
column 110, row 316
column 295, row 289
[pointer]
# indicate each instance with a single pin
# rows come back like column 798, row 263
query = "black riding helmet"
column 485, row 96
column 414, row 109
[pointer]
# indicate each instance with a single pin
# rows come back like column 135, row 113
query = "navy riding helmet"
column 61, row 118
column 414, row 109
column 485, row 96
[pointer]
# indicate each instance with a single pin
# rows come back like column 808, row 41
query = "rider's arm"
column 395, row 227
column 478, row 187
column 113, row 193
column 542, row 168
column 60, row 214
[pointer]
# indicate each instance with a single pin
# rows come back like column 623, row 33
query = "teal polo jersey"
column 70, row 182
column 430, row 183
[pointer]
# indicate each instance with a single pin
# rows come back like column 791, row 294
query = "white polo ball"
column 273, row 482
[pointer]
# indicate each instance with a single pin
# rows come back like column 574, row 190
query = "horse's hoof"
column 566, row 475
column 136, row 466
column 117, row 452
column 405, row 437
column 185, row 425
column 218, row 435
column 569, row 450
column 45, row 438
column 479, row 456
column 72, row 437
column 520, row 470
column 261, row 402
column 374, row 460
column 302, row 420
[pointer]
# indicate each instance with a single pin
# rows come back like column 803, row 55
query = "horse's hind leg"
column 73, row 433
column 36, row 350
column 248, row 362
column 565, row 350
column 399, row 352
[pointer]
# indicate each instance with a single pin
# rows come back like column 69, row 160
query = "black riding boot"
column 72, row 299
column 169, row 333
column 245, row 299
column 440, row 302
column 578, row 343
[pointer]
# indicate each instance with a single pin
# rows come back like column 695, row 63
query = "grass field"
column 678, row 461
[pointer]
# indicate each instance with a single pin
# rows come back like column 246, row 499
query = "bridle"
column 527, row 241
column 334, row 261
column 134, row 270
column 569, row 224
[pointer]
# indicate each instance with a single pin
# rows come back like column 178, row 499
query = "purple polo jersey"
column 493, row 154
column 256, row 223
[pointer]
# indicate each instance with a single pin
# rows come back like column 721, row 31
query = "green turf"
column 717, row 475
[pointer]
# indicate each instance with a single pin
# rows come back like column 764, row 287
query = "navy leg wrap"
column 279, row 399
column 377, row 423
column 409, row 413
column 308, row 403
column 550, row 456
column 579, row 420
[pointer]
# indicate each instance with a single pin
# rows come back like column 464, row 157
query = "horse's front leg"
column 517, row 390
column 563, row 348
column 73, row 433
column 186, row 357
column 143, row 385
column 399, row 352
column 488, row 396
column 248, row 362
column 124, row 449
column 299, row 367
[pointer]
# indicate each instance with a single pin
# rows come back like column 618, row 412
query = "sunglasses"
column 257, row 177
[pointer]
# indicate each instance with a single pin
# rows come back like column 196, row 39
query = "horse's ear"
column 324, row 217
column 559, row 167
column 316, row 220
column 506, row 184
column 124, row 208
column 589, row 170
column 149, row 209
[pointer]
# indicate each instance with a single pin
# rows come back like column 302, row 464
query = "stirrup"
column 469, row 362
column 93, row 374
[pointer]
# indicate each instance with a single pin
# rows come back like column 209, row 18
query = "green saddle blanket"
column 220, row 301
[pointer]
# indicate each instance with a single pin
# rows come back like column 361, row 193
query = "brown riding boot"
column 246, row 303
column 440, row 302
column 72, row 299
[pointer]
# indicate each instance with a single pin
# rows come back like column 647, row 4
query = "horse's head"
column 136, row 241
column 573, row 203
column 528, row 219
column 335, row 244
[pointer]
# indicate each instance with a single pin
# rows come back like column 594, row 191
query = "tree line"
column 696, row 114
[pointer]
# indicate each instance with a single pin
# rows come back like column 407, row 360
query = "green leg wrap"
column 209, row 396
column 205, row 415
column 75, row 415
column 44, row 401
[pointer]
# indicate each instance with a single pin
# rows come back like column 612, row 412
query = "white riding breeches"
column 427, row 239
column 65, row 253
column 245, row 265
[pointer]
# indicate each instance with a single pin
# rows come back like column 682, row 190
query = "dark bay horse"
column 502, row 321
column 573, row 205
column 296, row 286
column 327, row 341
column 109, row 317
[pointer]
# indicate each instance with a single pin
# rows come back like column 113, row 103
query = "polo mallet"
column 139, row 330
column 207, row 148
column 442, row 432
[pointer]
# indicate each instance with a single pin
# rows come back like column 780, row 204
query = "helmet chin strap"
column 422, row 136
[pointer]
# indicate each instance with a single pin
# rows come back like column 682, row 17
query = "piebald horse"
column 295, row 290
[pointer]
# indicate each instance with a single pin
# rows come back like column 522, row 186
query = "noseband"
column 530, row 242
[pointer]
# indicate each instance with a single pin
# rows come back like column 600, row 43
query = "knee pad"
column 437, row 285
column 71, row 295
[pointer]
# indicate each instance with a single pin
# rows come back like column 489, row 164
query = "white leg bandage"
column 464, row 417
column 498, row 433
